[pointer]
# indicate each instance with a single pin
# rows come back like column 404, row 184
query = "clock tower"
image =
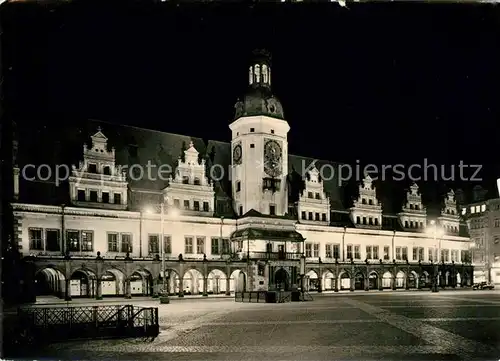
column 259, row 145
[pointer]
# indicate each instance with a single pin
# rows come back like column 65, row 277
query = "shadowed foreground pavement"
column 364, row 326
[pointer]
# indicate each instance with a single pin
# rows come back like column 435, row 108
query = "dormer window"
column 411, row 206
column 185, row 180
column 318, row 196
column 370, row 202
column 252, row 130
column 106, row 170
column 197, row 181
column 309, row 194
column 363, row 201
column 92, row 168
column 417, row 207
column 376, row 221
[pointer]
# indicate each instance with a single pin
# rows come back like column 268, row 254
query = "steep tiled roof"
column 63, row 144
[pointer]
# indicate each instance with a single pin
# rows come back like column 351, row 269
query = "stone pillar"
column 181, row 277
column 394, row 274
column 205, row 277
column 320, row 277
column 379, row 281
column 353, row 280
column 228, row 281
column 337, row 278
column 99, row 267
column 128, row 271
column 67, row 266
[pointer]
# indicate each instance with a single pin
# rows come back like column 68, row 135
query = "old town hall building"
column 95, row 209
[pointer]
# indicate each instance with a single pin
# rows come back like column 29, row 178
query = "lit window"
column 483, row 208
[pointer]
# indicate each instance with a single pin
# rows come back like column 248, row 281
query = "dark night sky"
column 382, row 83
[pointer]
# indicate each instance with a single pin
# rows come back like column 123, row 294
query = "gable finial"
column 99, row 128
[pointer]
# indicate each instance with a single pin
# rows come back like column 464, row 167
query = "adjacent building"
column 483, row 220
column 97, row 205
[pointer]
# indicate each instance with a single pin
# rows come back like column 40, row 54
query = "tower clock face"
column 237, row 154
column 272, row 158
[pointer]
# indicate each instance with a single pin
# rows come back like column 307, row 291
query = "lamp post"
column 435, row 233
column 164, row 297
column 164, row 293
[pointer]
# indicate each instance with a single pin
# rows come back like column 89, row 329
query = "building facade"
column 483, row 220
column 227, row 216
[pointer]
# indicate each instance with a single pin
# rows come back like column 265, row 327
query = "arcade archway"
column 281, row 280
column 238, row 281
column 50, row 282
column 373, row 280
column 216, row 282
column 359, row 281
column 83, row 283
column 387, row 280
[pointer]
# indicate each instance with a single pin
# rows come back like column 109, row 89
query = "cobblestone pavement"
column 356, row 326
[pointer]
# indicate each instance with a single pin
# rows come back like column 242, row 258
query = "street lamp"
column 173, row 213
column 436, row 232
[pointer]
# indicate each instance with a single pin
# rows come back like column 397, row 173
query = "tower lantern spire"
column 259, row 73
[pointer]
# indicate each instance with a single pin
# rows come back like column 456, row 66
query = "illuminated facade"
column 237, row 215
column 483, row 220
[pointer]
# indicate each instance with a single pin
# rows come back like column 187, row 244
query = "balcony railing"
column 284, row 256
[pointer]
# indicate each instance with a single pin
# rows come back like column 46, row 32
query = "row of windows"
column 83, row 241
column 414, row 224
column 93, row 196
column 186, row 205
column 252, row 130
column 187, row 180
column 369, row 202
column 312, row 195
column 317, row 216
column 92, row 168
column 416, row 207
column 372, row 253
column 367, row 221
column 475, row 209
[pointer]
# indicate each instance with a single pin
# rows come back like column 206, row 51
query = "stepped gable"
column 331, row 187
column 138, row 146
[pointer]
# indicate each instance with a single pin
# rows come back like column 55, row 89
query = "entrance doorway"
column 281, row 280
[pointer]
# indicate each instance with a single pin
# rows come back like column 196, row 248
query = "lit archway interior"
column 50, row 281
column 216, row 282
column 193, row 282
column 328, row 281
column 83, row 283
column 387, row 280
